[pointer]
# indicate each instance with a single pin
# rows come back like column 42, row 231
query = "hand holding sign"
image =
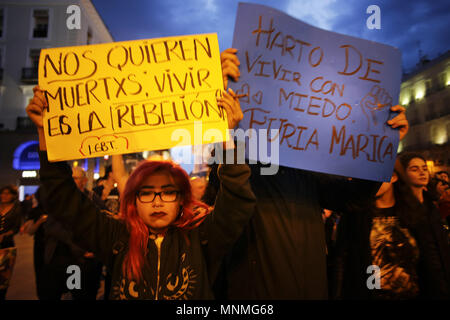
column 328, row 95
column 36, row 106
column 115, row 98
column 230, row 103
column 399, row 121
column 35, row 111
column 230, row 63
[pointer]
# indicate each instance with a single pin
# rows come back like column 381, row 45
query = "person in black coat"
column 282, row 251
column 10, row 221
column 165, row 245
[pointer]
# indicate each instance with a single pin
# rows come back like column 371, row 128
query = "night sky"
column 405, row 24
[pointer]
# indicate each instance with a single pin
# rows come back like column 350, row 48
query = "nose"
column 158, row 201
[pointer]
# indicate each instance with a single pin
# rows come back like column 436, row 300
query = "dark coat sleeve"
column 53, row 229
column 343, row 194
column 234, row 206
column 92, row 230
column 434, row 263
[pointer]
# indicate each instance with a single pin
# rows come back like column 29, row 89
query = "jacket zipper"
column 158, row 242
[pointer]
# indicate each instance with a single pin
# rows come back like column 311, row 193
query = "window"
column 406, row 97
column 418, row 138
column 433, row 133
column 34, row 58
column 412, row 116
column 30, row 74
column 431, row 114
column 40, row 18
column 1, row 21
column 445, row 106
column 428, row 87
column 447, row 129
column 438, row 134
column 442, row 80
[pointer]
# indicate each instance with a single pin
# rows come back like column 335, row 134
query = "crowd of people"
column 236, row 234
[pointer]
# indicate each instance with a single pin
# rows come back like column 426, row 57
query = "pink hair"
column 139, row 232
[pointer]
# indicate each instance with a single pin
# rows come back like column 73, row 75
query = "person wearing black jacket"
column 54, row 251
column 10, row 221
column 282, row 252
column 162, row 248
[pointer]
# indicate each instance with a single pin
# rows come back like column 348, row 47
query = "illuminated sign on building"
column 26, row 156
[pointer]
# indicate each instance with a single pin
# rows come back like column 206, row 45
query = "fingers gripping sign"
column 399, row 121
column 230, row 102
column 36, row 107
column 35, row 111
column 230, row 66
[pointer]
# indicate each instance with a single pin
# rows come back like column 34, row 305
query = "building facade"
column 426, row 95
column 26, row 27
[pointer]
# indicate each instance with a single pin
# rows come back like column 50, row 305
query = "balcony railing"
column 24, row 124
column 40, row 31
column 30, row 75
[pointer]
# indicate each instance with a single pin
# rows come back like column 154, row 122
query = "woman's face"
column 158, row 201
column 417, row 173
column 6, row 196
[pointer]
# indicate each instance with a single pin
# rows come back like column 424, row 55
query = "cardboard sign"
column 327, row 94
column 132, row 96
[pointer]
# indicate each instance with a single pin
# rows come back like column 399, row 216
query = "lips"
column 158, row 214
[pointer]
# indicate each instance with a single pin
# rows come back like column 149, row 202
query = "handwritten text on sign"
column 328, row 94
column 130, row 96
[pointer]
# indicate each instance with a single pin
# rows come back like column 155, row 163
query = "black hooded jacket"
column 179, row 266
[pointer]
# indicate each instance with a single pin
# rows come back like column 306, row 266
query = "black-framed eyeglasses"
column 147, row 196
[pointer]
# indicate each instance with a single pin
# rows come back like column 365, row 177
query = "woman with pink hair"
column 165, row 245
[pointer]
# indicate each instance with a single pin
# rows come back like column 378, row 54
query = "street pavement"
column 22, row 285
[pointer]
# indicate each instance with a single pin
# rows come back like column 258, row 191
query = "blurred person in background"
column 108, row 193
column 442, row 175
column 440, row 191
column 10, row 220
column 34, row 227
column 91, row 268
column 198, row 185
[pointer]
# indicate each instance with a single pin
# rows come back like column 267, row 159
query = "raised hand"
column 36, row 107
column 230, row 66
column 399, row 121
column 230, row 103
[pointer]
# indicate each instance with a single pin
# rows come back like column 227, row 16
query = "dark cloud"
column 403, row 22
